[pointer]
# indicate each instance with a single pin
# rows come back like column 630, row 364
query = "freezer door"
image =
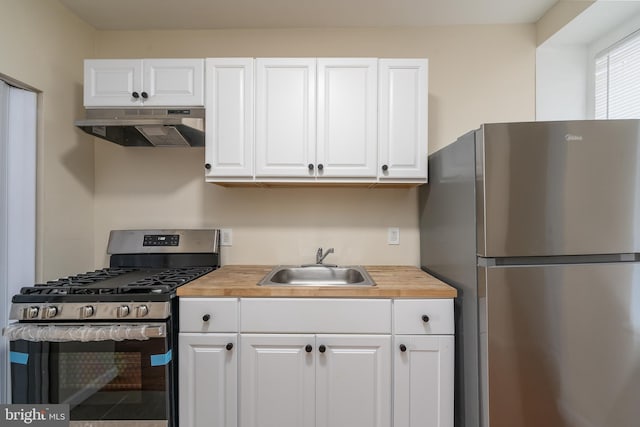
column 560, row 345
column 558, row 188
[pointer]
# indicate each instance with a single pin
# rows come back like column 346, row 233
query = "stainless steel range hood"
column 146, row 127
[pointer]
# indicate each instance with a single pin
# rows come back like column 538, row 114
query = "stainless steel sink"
column 317, row 275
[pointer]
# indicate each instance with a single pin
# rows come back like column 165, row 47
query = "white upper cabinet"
column 229, row 117
column 289, row 98
column 112, row 82
column 143, row 82
column 334, row 120
column 347, row 108
column 285, row 117
column 402, row 120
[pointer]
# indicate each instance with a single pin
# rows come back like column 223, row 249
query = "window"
column 617, row 80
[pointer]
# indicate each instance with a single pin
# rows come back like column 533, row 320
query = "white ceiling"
column 210, row 14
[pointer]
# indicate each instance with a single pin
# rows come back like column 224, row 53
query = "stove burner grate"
column 161, row 282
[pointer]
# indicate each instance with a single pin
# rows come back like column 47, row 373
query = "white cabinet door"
column 208, row 380
column 112, row 82
column 277, row 383
column 148, row 82
column 423, row 380
column 229, row 104
column 347, row 117
column 173, row 82
column 285, row 117
column 403, row 118
column 353, row 380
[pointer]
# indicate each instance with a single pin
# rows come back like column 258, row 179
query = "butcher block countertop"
column 391, row 282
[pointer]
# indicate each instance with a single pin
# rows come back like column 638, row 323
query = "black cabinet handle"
column 135, row 95
column 310, row 166
column 403, row 348
column 322, row 349
column 385, row 168
column 206, row 317
column 144, row 95
column 207, row 166
column 425, row 318
column 320, row 167
column 308, row 348
column 229, row 346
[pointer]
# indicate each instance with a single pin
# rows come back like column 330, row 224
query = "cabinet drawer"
column 208, row 315
column 314, row 315
column 408, row 316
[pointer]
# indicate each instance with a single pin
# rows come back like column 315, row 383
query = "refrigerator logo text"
column 570, row 137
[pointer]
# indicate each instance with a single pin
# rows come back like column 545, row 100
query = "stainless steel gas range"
column 105, row 342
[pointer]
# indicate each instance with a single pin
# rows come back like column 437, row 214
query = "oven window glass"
column 104, row 380
column 110, row 375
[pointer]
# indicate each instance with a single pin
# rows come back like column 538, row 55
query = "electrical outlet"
column 393, row 236
column 226, row 237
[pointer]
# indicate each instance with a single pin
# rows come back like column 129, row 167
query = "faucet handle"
column 320, row 256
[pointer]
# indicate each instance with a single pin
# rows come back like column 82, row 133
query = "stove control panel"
column 161, row 240
column 94, row 311
column 169, row 241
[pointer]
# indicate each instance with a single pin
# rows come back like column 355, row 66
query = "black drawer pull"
column 206, row 317
column 425, row 318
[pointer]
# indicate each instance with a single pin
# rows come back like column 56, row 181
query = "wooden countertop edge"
column 391, row 282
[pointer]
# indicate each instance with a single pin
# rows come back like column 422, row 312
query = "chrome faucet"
column 320, row 256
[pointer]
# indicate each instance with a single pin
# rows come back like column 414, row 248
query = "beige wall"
column 476, row 74
column 42, row 45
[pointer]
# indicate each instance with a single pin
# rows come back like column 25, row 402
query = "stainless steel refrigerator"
column 538, row 227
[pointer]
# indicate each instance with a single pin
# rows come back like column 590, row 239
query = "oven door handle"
column 84, row 333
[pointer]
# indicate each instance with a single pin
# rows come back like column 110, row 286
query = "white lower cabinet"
column 315, row 380
column 277, row 380
column 324, row 367
column 208, row 367
column 353, row 381
column 423, row 381
column 423, row 364
column 208, row 362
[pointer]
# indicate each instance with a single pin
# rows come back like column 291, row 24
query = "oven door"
column 108, row 373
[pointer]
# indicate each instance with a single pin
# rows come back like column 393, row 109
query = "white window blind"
column 617, row 80
column 18, row 109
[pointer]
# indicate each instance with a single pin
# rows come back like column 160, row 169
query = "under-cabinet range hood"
column 146, row 127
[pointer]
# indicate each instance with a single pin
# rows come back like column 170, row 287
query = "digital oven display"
column 161, row 240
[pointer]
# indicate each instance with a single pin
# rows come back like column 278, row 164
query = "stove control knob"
column 50, row 312
column 87, row 311
column 123, row 311
column 142, row 310
column 31, row 312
